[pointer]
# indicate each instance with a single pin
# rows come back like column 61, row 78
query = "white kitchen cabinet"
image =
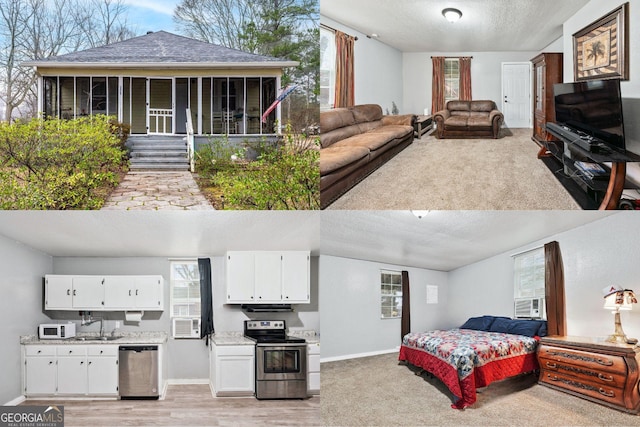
column 268, row 277
column 71, row 370
column 240, row 277
column 133, row 292
column 313, row 368
column 232, row 370
column 296, row 277
column 40, row 370
column 102, row 370
column 103, row 293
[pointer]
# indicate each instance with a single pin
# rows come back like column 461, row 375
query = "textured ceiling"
column 441, row 240
column 178, row 234
column 485, row 26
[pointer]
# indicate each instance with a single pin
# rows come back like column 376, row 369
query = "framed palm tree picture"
column 601, row 50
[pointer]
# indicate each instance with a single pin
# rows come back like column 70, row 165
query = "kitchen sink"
column 105, row 338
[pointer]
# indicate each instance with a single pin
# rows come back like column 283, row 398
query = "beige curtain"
column 465, row 78
column 405, row 327
column 344, row 95
column 437, row 84
column 554, row 289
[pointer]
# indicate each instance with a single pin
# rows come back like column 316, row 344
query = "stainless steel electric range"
column 281, row 360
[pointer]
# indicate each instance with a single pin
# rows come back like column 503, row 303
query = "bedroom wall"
column 630, row 89
column 225, row 317
column 486, row 75
column 378, row 70
column 23, row 269
column 350, row 290
column 595, row 255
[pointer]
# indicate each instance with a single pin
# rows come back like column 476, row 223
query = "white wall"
column 350, row 297
column 377, row 68
column 596, row 255
column 630, row 89
column 486, row 75
column 22, row 280
column 187, row 359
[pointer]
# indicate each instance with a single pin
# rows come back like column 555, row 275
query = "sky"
column 151, row 15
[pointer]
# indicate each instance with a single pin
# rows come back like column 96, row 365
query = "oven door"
column 277, row 362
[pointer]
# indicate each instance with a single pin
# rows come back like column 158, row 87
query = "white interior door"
column 516, row 94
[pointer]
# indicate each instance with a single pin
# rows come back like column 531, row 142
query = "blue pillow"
column 542, row 332
column 500, row 324
column 528, row 328
column 478, row 323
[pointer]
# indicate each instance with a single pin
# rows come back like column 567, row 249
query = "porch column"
column 120, row 93
column 40, row 95
column 199, row 115
column 279, row 107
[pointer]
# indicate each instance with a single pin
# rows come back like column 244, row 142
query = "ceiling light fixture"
column 451, row 14
column 420, row 214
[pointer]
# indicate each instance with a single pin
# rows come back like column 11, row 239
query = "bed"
column 483, row 350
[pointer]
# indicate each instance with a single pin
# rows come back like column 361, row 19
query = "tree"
column 103, row 22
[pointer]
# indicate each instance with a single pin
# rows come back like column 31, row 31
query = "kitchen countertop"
column 231, row 338
column 125, row 338
column 310, row 336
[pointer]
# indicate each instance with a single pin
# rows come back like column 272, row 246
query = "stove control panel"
column 254, row 325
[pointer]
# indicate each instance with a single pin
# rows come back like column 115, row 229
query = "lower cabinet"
column 313, row 368
column 232, row 370
column 77, row 370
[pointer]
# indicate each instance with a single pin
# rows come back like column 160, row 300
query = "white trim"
column 359, row 355
column 279, row 106
column 161, row 65
column 199, row 113
column 188, row 381
column 16, row 401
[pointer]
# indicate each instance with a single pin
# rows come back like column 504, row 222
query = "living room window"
column 390, row 294
column 451, row 79
column 528, row 274
column 327, row 69
column 185, row 288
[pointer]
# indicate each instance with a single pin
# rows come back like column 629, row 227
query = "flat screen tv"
column 593, row 107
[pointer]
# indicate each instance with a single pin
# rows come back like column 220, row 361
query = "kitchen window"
column 390, row 294
column 185, row 288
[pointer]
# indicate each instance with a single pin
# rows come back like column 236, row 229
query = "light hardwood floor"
column 189, row 405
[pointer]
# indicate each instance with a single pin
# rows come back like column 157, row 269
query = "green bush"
column 283, row 178
column 59, row 164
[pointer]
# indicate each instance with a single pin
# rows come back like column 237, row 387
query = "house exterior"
column 152, row 81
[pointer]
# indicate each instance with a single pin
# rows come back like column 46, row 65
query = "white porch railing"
column 190, row 142
column 160, row 120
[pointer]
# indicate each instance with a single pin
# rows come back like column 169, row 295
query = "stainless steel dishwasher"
column 138, row 372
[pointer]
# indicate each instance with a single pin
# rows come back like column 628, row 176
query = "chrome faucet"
column 91, row 320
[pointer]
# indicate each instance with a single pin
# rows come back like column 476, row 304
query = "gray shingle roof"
column 161, row 48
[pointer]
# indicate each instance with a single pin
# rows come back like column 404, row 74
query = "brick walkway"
column 157, row 191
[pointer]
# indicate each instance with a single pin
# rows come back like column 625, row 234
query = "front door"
column 160, row 106
column 516, row 94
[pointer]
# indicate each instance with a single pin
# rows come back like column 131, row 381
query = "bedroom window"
column 185, row 289
column 528, row 274
column 390, row 294
column 327, row 69
column 451, row 79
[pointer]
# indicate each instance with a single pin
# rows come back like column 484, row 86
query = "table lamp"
column 617, row 299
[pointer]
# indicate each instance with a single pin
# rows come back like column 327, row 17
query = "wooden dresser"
column 547, row 70
column 593, row 369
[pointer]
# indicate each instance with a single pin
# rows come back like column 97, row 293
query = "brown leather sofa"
column 469, row 119
column 354, row 142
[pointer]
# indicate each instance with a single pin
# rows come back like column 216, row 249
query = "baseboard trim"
column 188, row 381
column 16, row 401
column 359, row 355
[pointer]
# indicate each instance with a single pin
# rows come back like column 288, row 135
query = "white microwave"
column 53, row 331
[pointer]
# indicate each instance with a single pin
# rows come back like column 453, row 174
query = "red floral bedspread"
column 465, row 359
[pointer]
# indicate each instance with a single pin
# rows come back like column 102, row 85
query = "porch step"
column 158, row 153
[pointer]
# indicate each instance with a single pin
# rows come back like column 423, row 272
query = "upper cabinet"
column 66, row 292
column 268, row 277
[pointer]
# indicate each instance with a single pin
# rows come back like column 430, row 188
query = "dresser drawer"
column 605, row 393
column 594, row 361
column 599, row 376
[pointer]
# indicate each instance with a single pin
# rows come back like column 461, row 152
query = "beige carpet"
column 379, row 391
column 437, row 174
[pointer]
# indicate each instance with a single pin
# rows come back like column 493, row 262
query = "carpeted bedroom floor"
column 444, row 174
column 380, row 391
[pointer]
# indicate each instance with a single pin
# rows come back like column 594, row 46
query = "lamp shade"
column 621, row 300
